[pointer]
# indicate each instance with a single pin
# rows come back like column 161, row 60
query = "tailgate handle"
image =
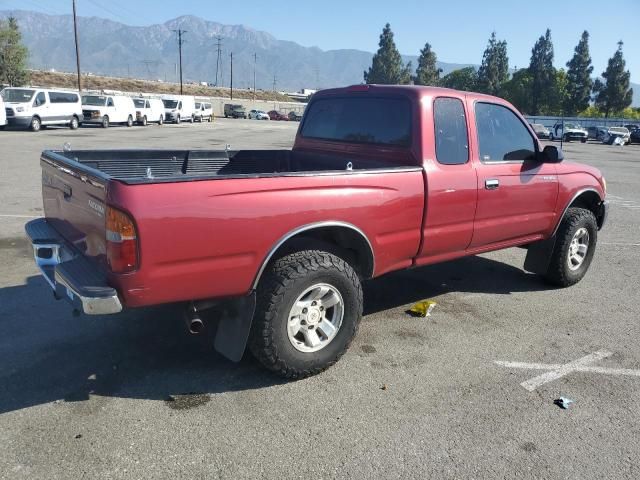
column 67, row 192
column 491, row 184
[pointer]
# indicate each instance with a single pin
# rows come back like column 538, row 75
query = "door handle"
column 491, row 184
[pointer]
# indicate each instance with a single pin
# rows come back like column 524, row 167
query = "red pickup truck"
column 380, row 178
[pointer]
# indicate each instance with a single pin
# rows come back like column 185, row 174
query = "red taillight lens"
column 122, row 242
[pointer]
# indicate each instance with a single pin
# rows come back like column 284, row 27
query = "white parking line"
column 620, row 244
column 557, row 371
column 19, row 216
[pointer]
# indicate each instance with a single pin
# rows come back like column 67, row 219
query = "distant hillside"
column 112, row 48
column 94, row 82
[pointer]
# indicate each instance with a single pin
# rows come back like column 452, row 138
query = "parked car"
column 106, row 110
column 540, row 130
column 258, row 115
column 275, row 115
column 234, row 111
column 282, row 246
column 592, row 132
column 634, row 137
column 149, row 110
column 568, row 131
column 631, row 127
column 34, row 108
column 614, row 133
column 204, row 111
column 3, row 114
column 179, row 108
column 295, row 116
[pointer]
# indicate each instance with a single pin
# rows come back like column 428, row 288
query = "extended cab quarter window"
column 452, row 142
column 384, row 121
column 501, row 135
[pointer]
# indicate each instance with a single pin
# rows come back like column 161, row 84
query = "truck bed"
column 158, row 166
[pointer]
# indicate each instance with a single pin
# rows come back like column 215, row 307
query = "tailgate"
column 75, row 205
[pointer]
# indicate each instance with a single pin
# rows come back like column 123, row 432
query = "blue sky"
column 458, row 30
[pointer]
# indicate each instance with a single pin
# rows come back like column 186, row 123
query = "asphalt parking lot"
column 441, row 397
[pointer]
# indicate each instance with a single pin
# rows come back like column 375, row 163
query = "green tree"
column 542, row 73
column 13, row 54
column 461, row 79
column 557, row 95
column 518, row 90
column 579, row 83
column 427, row 72
column 614, row 95
column 387, row 67
column 494, row 70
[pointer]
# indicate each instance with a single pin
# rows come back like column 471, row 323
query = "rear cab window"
column 502, row 137
column 384, row 121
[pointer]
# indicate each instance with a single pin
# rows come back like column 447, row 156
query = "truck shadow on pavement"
column 47, row 355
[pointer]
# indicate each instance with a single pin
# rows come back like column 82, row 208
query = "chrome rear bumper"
column 70, row 275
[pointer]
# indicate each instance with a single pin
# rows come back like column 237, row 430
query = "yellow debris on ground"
column 423, row 308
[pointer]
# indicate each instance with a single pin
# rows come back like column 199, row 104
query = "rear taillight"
column 122, row 242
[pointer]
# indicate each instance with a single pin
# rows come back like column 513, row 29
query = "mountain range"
column 151, row 52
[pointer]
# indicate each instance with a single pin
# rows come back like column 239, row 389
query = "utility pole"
column 231, row 75
column 255, row 60
column 274, row 83
column 75, row 31
column 219, row 59
column 180, row 42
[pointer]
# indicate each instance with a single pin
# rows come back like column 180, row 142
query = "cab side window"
column 502, row 136
column 452, row 142
column 179, row 105
column 41, row 99
column 110, row 102
column 146, row 104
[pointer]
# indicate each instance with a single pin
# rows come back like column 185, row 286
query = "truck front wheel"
column 309, row 306
column 574, row 248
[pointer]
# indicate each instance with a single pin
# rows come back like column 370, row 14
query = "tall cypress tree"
column 494, row 70
column 427, row 73
column 387, row 67
column 614, row 95
column 13, row 54
column 542, row 73
column 579, row 83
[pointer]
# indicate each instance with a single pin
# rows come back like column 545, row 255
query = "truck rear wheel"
column 129, row 121
column 575, row 245
column 309, row 306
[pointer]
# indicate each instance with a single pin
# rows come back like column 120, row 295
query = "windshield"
column 139, row 102
column 94, row 100
column 170, row 103
column 18, row 95
column 572, row 125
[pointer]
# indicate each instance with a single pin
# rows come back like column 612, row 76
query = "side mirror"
column 552, row 154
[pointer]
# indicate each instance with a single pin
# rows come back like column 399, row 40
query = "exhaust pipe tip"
column 196, row 326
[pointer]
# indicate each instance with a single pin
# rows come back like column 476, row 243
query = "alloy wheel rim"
column 315, row 318
column 578, row 249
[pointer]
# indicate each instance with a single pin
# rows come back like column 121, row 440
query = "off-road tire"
column 283, row 281
column 558, row 272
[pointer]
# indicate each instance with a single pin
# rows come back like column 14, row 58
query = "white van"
column 179, row 108
column 108, row 109
column 3, row 115
column 149, row 110
column 36, row 107
column 204, row 111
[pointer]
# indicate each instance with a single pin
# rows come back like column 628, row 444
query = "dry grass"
column 69, row 80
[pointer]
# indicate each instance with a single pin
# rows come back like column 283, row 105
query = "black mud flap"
column 539, row 256
column 235, row 324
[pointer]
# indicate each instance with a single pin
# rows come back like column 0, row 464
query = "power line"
column 255, row 60
column 75, row 33
column 231, row 75
column 180, row 42
column 219, row 59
